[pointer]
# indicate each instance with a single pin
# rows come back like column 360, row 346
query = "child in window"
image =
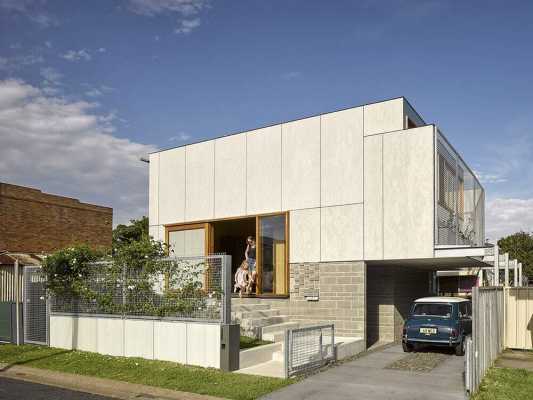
column 242, row 278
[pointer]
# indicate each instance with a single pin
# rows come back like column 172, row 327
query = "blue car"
column 438, row 321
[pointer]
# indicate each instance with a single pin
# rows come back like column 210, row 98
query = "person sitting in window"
column 242, row 279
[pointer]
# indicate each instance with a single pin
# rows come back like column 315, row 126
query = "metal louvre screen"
column 184, row 288
column 309, row 348
column 35, row 306
column 460, row 200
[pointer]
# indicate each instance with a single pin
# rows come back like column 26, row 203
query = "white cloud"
column 77, row 55
column 66, row 147
column 505, row 216
column 185, row 9
column 181, row 137
column 51, row 76
column 490, row 178
column 102, row 50
column 152, row 8
column 186, row 26
column 32, row 9
column 19, row 61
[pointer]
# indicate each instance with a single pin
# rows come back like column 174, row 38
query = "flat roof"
column 292, row 120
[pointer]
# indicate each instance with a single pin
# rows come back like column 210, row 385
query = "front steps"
column 258, row 319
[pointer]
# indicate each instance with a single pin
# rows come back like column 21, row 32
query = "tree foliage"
column 520, row 246
column 136, row 231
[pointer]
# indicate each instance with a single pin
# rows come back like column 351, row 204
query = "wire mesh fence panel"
column 309, row 348
column 35, row 306
column 185, row 288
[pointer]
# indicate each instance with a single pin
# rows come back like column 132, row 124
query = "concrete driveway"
column 367, row 379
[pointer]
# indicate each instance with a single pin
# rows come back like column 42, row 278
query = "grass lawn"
column 506, row 384
column 163, row 374
column 248, row 342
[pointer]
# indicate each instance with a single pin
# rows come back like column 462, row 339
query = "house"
column 353, row 212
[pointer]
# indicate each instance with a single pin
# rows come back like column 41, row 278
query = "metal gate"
column 308, row 348
column 35, row 307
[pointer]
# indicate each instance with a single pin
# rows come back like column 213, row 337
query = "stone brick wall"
column 36, row 222
column 329, row 292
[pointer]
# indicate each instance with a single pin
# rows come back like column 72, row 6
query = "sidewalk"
column 98, row 386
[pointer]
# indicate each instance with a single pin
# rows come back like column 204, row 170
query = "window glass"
column 273, row 263
column 186, row 243
column 433, row 309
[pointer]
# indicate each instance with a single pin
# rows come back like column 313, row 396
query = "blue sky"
column 88, row 87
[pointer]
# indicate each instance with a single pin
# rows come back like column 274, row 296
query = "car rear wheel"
column 460, row 348
column 407, row 347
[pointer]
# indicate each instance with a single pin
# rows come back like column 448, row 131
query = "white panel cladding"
column 205, row 340
column 342, row 157
column 172, row 186
column 170, row 341
column 157, row 232
column 263, row 170
column 61, row 332
column 230, row 176
column 188, row 242
column 301, row 164
column 110, row 336
column 408, row 186
column 304, row 235
column 386, row 116
column 199, row 182
column 342, row 233
column 139, row 338
column 84, row 334
column 153, row 190
column 373, row 205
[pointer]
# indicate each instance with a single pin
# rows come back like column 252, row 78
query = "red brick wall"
column 35, row 222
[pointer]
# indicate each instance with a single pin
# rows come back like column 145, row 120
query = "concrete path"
column 367, row 379
column 102, row 388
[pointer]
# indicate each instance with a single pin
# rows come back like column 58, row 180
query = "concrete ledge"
column 258, row 355
column 348, row 347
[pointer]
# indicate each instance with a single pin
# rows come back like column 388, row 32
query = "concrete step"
column 263, row 322
column 249, row 307
column 276, row 332
column 258, row 355
column 275, row 369
column 241, row 315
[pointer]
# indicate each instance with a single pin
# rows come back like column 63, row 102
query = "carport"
column 392, row 286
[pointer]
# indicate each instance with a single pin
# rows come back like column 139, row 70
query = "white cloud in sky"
column 184, row 9
column 290, row 75
column 181, row 137
column 51, row 76
column 77, row 55
column 67, row 148
column 32, row 9
column 508, row 216
column 19, row 61
column 186, row 26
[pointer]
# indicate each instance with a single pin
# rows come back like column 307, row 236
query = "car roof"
column 441, row 299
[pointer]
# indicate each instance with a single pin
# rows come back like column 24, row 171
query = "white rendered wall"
column 342, row 157
column 373, row 188
column 263, row 170
column 183, row 342
column 304, row 235
column 301, row 164
column 172, row 186
column 408, row 198
column 386, row 116
column 199, row 181
column 341, row 230
column 230, row 176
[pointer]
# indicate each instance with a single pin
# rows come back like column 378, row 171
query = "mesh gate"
column 308, row 348
column 35, row 307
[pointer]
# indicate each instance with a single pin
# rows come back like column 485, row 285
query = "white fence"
column 193, row 343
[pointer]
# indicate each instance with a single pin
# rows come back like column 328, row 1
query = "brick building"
column 37, row 222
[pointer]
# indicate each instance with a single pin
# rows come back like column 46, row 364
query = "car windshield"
column 433, row 309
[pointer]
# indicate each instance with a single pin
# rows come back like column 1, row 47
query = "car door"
column 465, row 316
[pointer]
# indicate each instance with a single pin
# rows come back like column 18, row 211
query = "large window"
column 273, row 254
column 186, row 241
